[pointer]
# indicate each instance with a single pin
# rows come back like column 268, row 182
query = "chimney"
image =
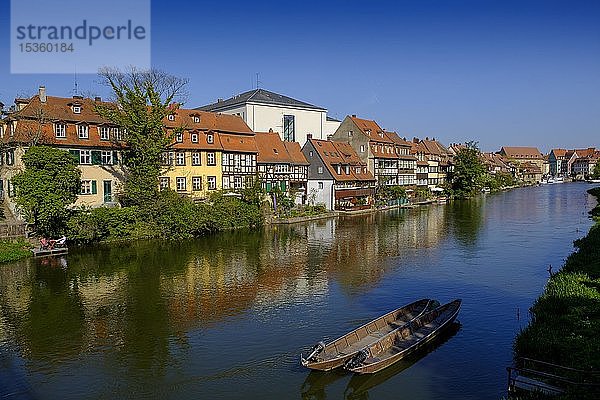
column 270, row 130
column 308, row 136
column 97, row 99
column 219, row 100
column 426, row 137
column 353, row 115
column 42, row 93
column 78, row 97
column 415, row 140
column 329, row 137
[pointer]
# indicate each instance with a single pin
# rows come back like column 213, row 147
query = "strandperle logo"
column 68, row 36
column 84, row 31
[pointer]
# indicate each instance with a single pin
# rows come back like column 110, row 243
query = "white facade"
column 321, row 191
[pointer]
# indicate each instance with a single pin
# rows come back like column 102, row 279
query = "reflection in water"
column 314, row 386
column 150, row 314
column 359, row 385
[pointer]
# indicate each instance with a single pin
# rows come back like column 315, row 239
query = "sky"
column 503, row 73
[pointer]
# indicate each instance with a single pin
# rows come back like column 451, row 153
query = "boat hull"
column 374, row 367
column 340, row 350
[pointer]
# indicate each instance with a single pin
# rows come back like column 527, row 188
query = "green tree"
column 469, row 171
column 49, row 183
column 596, row 173
column 143, row 100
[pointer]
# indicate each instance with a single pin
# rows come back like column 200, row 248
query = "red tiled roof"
column 559, row 152
column 371, row 129
column 238, row 143
column 208, row 121
column 295, row 152
column 585, row 152
column 339, row 153
column 271, row 148
column 521, row 152
column 60, row 109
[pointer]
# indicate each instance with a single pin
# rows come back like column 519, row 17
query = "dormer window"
column 77, row 109
column 338, row 169
column 60, row 130
column 210, row 139
column 116, row 134
column 82, row 131
column 196, row 119
column 347, row 170
column 179, row 138
column 194, row 138
column 171, row 117
column 104, row 133
column 275, row 151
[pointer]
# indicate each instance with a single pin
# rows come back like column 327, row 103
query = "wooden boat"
column 37, row 252
column 403, row 341
column 325, row 357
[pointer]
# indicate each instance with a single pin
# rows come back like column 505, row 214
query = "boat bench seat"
column 396, row 324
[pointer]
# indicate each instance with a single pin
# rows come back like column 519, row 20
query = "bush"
column 169, row 217
column 14, row 250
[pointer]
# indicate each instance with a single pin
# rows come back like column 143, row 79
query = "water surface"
column 227, row 316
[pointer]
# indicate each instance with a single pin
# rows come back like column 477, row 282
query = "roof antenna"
column 258, row 82
column 76, row 88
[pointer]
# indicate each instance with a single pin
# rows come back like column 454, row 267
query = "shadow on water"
column 316, row 382
column 359, row 385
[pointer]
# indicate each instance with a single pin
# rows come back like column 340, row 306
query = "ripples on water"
column 227, row 316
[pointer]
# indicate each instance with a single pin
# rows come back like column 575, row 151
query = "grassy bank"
column 565, row 326
column 13, row 250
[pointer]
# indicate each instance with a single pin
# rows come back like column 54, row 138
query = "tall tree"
column 142, row 100
column 49, row 183
column 596, row 172
column 468, row 171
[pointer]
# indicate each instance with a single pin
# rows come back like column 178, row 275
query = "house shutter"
column 96, row 157
column 115, row 157
column 75, row 154
column 94, row 187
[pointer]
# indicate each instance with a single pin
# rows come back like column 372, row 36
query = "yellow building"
column 194, row 165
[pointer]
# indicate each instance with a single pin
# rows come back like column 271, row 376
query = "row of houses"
column 290, row 145
column 576, row 163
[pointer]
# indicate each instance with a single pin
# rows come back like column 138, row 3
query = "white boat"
column 593, row 181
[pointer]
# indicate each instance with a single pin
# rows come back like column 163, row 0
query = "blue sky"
column 500, row 72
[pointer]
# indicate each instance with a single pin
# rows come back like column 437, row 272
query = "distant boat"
column 560, row 179
column 593, row 181
column 38, row 252
column 402, row 342
column 325, row 357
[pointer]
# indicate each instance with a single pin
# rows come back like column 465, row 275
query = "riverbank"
column 565, row 319
column 14, row 250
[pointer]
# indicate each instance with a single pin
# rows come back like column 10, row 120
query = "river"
column 226, row 316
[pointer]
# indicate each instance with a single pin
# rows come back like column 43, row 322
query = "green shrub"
column 14, row 250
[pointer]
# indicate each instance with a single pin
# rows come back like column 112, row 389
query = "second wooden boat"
column 325, row 357
column 403, row 341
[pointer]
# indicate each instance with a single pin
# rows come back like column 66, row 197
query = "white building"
column 264, row 110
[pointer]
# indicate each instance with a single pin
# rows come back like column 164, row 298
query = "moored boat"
column 325, row 357
column 403, row 341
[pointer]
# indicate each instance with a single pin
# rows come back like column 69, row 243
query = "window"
column 210, row 138
column 196, row 160
column 289, row 129
column 310, row 153
column 362, row 148
column 338, row 169
column 212, row 182
column 180, row 183
column 85, row 157
column 171, row 117
column 320, row 185
column 194, row 138
column 60, row 130
column 196, row 183
column 210, row 158
column 237, row 182
column 77, row 109
column 180, row 158
column 164, row 182
column 10, row 157
column 116, row 134
column 179, row 138
column 88, row 187
column 196, row 119
column 349, row 133
column 104, row 133
column 357, row 169
column 320, row 170
column 347, row 170
column 82, row 131
column 107, row 157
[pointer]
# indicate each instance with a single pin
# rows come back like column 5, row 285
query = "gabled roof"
column 60, row 109
column 295, row 152
column 271, row 148
column 339, row 153
column 209, row 121
column 521, row 152
column 238, row 143
column 371, row 129
column 435, row 147
column 393, row 136
column 260, row 96
column 585, row 152
column 559, row 152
